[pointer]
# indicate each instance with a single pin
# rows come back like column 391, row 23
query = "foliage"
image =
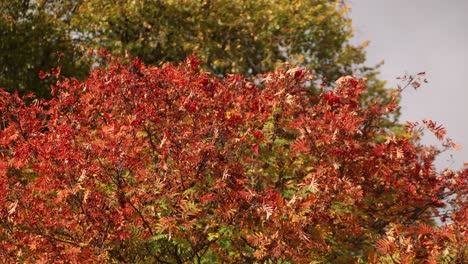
column 143, row 164
column 32, row 34
column 241, row 36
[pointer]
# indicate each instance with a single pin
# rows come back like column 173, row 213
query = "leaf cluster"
column 170, row 164
column 242, row 36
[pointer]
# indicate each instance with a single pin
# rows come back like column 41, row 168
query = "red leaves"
column 54, row 72
column 43, row 75
column 415, row 85
column 138, row 160
column 207, row 198
column 331, row 98
column 258, row 135
column 412, row 80
column 255, row 149
column 300, row 146
column 438, row 130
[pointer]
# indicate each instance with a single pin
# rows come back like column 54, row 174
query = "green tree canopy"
column 241, row 36
column 31, row 34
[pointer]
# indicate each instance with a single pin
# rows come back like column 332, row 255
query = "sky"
column 422, row 35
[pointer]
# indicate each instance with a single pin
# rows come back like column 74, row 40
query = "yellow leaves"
column 399, row 153
column 313, row 185
column 147, row 25
column 259, row 253
column 364, row 44
column 13, row 137
column 12, row 207
column 141, row 134
column 229, row 113
column 344, row 80
column 189, row 208
column 233, row 113
column 321, row 18
column 344, row 10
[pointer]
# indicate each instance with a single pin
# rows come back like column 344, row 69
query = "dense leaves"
column 143, row 164
column 241, row 36
column 33, row 35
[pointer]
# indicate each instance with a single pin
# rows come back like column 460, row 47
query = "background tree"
column 32, row 34
column 172, row 165
column 242, row 36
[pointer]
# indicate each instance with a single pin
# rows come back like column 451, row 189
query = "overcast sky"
column 422, row 35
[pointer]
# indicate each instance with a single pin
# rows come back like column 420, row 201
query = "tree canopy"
column 242, row 36
column 32, row 33
column 142, row 164
column 227, row 157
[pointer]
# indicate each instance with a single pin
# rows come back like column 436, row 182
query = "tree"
column 33, row 33
column 169, row 164
column 242, row 36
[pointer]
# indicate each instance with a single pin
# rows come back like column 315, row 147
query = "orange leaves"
column 257, row 239
column 136, row 155
column 108, row 129
column 246, row 195
column 425, row 229
column 3, row 168
column 207, row 198
column 386, row 245
column 300, row 146
column 423, row 242
column 438, row 130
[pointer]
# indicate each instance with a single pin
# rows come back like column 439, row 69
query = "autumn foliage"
column 141, row 164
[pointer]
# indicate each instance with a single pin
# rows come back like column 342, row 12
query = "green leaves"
column 33, row 34
column 243, row 36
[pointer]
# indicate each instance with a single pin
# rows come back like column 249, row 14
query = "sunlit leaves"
column 170, row 164
column 242, row 36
